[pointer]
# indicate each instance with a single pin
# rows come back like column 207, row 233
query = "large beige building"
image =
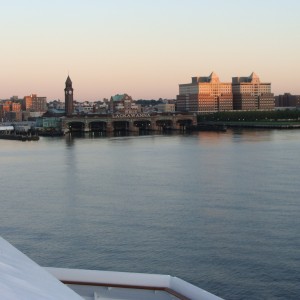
column 251, row 94
column 208, row 94
column 205, row 94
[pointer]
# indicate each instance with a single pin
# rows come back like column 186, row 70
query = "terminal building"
column 209, row 94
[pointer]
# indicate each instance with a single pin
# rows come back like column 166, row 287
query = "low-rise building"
column 49, row 123
column 13, row 116
column 165, row 107
column 56, row 104
column 16, row 106
column 287, row 100
column 123, row 104
column 10, row 111
column 100, row 107
column 85, row 107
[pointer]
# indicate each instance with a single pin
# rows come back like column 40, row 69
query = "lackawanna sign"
column 117, row 116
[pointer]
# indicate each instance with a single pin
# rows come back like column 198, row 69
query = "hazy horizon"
column 144, row 48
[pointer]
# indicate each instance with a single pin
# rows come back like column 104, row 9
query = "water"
column 220, row 210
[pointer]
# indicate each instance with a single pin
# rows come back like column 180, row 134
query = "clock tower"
column 69, row 107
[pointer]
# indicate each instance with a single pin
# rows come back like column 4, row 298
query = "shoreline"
column 258, row 124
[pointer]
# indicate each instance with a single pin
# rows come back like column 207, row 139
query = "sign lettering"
column 117, row 116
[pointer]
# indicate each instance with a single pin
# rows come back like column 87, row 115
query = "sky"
column 144, row 48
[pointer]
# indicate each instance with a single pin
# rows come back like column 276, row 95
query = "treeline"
column 149, row 102
column 250, row 116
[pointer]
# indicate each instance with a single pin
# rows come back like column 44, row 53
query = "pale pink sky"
column 144, row 48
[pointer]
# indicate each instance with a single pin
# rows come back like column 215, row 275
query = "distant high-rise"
column 69, row 106
column 204, row 94
column 251, row 94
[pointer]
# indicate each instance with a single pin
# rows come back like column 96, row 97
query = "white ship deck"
column 22, row 278
column 92, row 284
column 113, row 293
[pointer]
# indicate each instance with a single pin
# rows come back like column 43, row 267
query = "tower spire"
column 69, row 106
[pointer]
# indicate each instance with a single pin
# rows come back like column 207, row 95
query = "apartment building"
column 35, row 103
column 10, row 111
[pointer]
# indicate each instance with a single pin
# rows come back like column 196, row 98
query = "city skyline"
column 144, row 48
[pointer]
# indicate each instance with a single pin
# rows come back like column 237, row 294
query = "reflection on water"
column 219, row 209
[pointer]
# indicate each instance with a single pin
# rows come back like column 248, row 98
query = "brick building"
column 35, row 103
column 10, row 111
column 287, row 100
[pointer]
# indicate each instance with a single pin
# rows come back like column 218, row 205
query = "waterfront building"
column 251, row 94
column 287, row 100
column 208, row 94
column 205, row 94
column 123, row 104
column 49, row 123
column 69, row 106
column 35, row 103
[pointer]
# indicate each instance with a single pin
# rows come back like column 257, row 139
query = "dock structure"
column 128, row 122
column 10, row 132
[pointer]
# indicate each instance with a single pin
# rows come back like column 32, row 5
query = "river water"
column 220, row 210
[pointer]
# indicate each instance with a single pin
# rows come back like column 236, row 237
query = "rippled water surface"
column 220, row 210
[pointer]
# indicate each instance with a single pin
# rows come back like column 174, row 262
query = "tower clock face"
column 70, row 92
